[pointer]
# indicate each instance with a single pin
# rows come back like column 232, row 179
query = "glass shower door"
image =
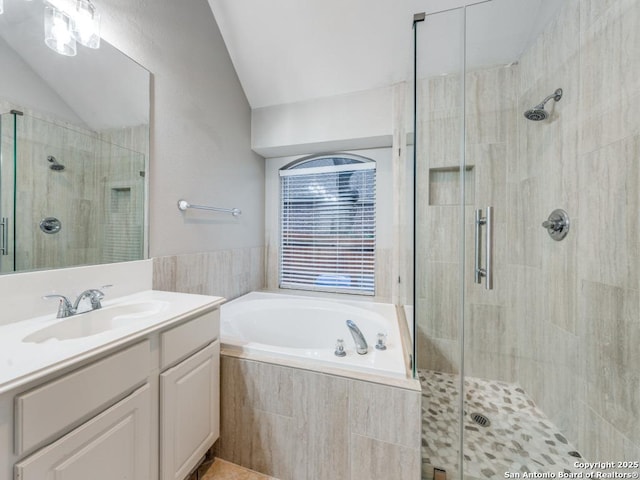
column 440, row 210
column 520, row 354
column 72, row 196
column 542, row 366
column 7, row 192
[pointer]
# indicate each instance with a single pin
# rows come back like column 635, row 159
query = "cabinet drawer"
column 115, row 444
column 181, row 341
column 57, row 406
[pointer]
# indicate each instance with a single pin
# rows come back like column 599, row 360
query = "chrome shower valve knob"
column 339, row 352
column 381, row 343
column 557, row 224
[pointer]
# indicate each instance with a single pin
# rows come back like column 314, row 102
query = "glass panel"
column 440, row 182
column 98, row 98
column 93, row 187
column 549, row 364
column 550, row 352
column 7, row 178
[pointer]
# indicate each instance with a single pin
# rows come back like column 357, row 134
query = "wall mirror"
column 73, row 151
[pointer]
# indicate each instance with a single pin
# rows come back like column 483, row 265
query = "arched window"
column 328, row 224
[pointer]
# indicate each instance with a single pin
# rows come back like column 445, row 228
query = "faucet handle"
column 96, row 296
column 65, row 309
column 99, row 295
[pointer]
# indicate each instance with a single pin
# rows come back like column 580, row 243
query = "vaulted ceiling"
column 288, row 51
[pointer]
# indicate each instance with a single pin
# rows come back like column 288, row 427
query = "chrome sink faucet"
column 87, row 301
column 358, row 338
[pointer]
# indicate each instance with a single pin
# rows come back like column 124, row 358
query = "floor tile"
column 519, row 437
column 223, row 470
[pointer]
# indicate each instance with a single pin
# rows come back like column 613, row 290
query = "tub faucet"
column 361, row 343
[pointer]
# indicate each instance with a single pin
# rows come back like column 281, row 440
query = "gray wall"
column 200, row 146
column 200, row 126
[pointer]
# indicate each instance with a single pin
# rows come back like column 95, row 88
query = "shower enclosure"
column 68, row 196
column 526, row 281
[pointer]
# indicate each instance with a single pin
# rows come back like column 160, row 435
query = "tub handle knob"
column 340, row 348
column 381, row 344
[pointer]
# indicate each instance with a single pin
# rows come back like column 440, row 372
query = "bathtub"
column 305, row 330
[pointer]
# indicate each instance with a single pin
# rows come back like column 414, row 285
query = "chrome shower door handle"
column 4, row 238
column 487, row 272
column 478, row 272
column 488, row 281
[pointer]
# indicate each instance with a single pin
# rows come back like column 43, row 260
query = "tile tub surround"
column 228, row 273
column 299, row 424
column 520, row 438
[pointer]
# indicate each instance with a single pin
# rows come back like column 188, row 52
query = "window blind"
column 328, row 228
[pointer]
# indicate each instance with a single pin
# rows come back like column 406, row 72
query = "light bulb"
column 86, row 24
column 57, row 31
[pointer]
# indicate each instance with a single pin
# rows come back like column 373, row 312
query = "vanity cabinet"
column 189, row 394
column 46, row 411
column 115, row 444
column 189, row 406
column 145, row 410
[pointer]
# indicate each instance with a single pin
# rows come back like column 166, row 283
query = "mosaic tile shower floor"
column 519, row 438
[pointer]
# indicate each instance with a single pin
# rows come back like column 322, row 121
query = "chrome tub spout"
column 358, row 338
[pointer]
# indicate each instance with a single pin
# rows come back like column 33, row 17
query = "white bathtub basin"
column 308, row 328
column 97, row 321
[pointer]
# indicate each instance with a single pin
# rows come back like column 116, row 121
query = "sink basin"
column 97, row 321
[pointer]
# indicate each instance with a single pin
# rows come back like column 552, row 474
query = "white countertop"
column 22, row 362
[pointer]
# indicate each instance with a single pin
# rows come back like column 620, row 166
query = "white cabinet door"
column 114, row 445
column 190, row 412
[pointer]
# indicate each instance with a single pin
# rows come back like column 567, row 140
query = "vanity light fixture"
column 58, row 34
column 86, row 24
column 65, row 25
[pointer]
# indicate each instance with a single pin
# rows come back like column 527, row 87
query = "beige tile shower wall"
column 582, row 329
column 78, row 195
column 544, row 178
column 298, row 424
column 123, row 156
column 490, row 146
column 134, row 138
column 436, row 254
column 225, row 273
column 69, row 195
column 564, row 317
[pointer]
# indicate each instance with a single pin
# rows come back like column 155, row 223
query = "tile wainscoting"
column 292, row 423
column 226, row 273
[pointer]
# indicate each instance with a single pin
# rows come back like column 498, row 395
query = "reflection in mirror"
column 73, row 151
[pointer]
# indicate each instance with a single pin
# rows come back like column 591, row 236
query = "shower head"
column 538, row 112
column 54, row 163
